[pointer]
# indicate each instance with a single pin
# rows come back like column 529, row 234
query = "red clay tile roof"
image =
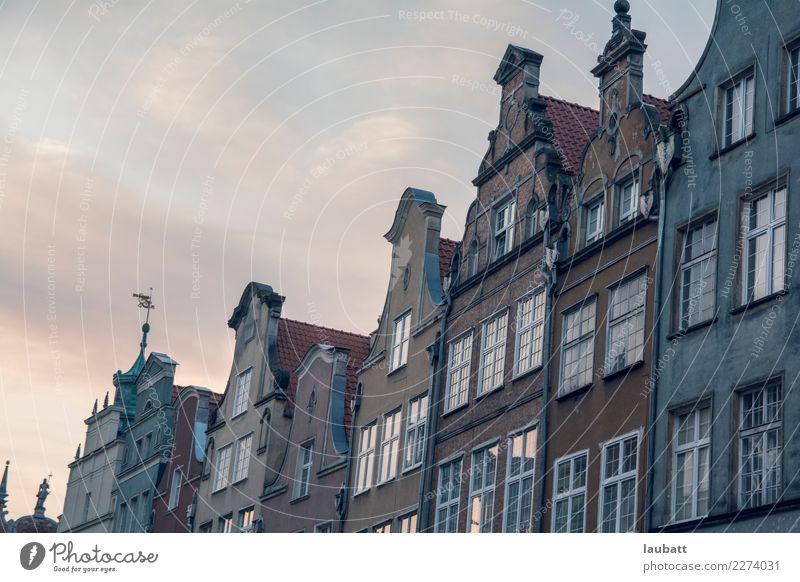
column 662, row 105
column 446, row 249
column 573, row 125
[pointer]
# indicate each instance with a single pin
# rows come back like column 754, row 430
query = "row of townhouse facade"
column 607, row 349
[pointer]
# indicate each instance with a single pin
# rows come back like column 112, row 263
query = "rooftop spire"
column 125, row 393
column 4, row 487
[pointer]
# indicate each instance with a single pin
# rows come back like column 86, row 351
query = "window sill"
column 623, row 371
column 299, row 499
column 756, row 302
column 574, row 392
column 242, row 480
column 521, row 375
column 455, row 409
column 220, row 490
column 363, row 492
column 239, row 415
column 786, row 117
column 382, row 483
column 691, row 328
column 411, row 468
column 273, row 491
column 488, row 392
column 733, row 146
column 393, row 371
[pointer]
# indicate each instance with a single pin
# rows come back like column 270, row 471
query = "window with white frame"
column 366, row 458
column 481, row 490
column 628, row 200
column 246, row 517
column 400, row 337
column 241, row 464
column 618, row 486
column 760, row 445
column 690, row 463
column 530, row 332
column 390, row 446
column 577, row 346
column 569, row 501
column 222, row 467
column 448, row 494
column 625, row 345
column 174, row 489
column 737, row 109
column 305, row 460
column 493, row 352
column 518, row 511
column 242, row 396
column 698, row 274
column 408, row 523
column 415, row 431
column 594, row 221
column 504, row 219
column 792, row 79
column 458, row 368
column 764, row 225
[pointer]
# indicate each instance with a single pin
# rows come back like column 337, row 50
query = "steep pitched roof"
column 446, row 249
column 662, row 105
column 573, row 125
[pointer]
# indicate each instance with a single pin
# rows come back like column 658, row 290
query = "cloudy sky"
column 192, row 147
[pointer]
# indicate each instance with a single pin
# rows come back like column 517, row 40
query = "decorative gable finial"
column 94, row 408
column 78, row 452
column 105, row 401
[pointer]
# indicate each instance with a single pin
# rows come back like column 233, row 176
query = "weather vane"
column 146, row 302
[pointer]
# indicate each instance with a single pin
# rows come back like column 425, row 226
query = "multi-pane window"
column 481, row 490
column 628, row 200
column 493, row 352
column 400, row 337
column 385, row 527
column 408, row 523
column 174, row 489
column 625, row 344
column 246, row 516
column 577, row 346
column 415, row 431
column 764, row 225
column 692, row 450
column 594, row 221
column 698, row 274
column 242, row 396
column 241, row 464
column 618, row 487
column 305, row 460
column 390, row 446
column 205, row 527
column 518, row 512
column 366, row 458
column 760, row 444
column 569, row 505
column 504, row 218
column 793, row 79
column 225, row 524
column 448, row 494
column 738, row 110
column 222, row 467
column 530, row 331
column 458, row 367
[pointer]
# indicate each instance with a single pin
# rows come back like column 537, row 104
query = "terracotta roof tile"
column 446, row 249
column 662, row 105
column 573, row 125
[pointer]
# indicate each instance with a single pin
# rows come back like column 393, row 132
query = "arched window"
column 472, row 258
column 531, row 218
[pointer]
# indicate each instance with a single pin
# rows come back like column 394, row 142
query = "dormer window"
column 628, row 200
column 594, row 221
column 504, row 228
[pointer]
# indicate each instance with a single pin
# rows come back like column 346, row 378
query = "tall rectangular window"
column 174, row 489
column 408, row 523
column 245, row 520
column 698, row 274
column 577, row 346
column 504, row 220
column 390, row 446
column 594, row 221
column 690, row 465
column 481, row 490
column 764, row 225
column 400, row 337
column 738, row 109
column 618, row 487
column 625, row 345
column 530, row 332
column 448, row 494
column 241, row 464
column 458, row 368
column 415, row 431
column 793, row 79
column 493, row 353
column 305, row 460
column 628, row 200
column 518, row 512
column 760, row 445
column 87, row 505
column 569, row 501
column 242, row 396
column 222, row 468
column 225, row 524
column 366, row 458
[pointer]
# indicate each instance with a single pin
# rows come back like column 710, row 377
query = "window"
column 531, row 225
column 692, row 448
column 577, row 346
column 400, row 335
column 174, row 489
column 481, row 493
column 390, row 443
column 628, row 200
column 570, row 494
column 304, row 462
column 205, row 527
column 385, row 527
column 249, row 331
column 504, row 218
column 764, row 222
column 698, row 274
column 518, row 511
column 87, row 505
column 618, row 487
column 738, row 109
column 760, row 444
column 530, row 330
column 594, row 221
column 493, row 353
column 134, row 524
column 793, row 79
column 242, row 462
column 222, row 468
column 323, row 527
column 148, row 444
column 625, row 345
column 415, row 431
column 242, row 396
column 366, row 458
column 472, row 259
column 246, row 516
column 408, row 523
column 225, row 524
column 459, row 359
column 447, row 497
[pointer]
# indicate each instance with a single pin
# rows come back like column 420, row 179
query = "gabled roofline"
column 261, row 290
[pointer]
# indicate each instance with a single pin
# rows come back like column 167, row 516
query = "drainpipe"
column 345, row 490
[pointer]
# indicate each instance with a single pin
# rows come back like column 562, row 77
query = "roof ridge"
column 314, row 325
column 571, row 103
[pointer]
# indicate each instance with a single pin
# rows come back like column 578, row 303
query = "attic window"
column 504, row 218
